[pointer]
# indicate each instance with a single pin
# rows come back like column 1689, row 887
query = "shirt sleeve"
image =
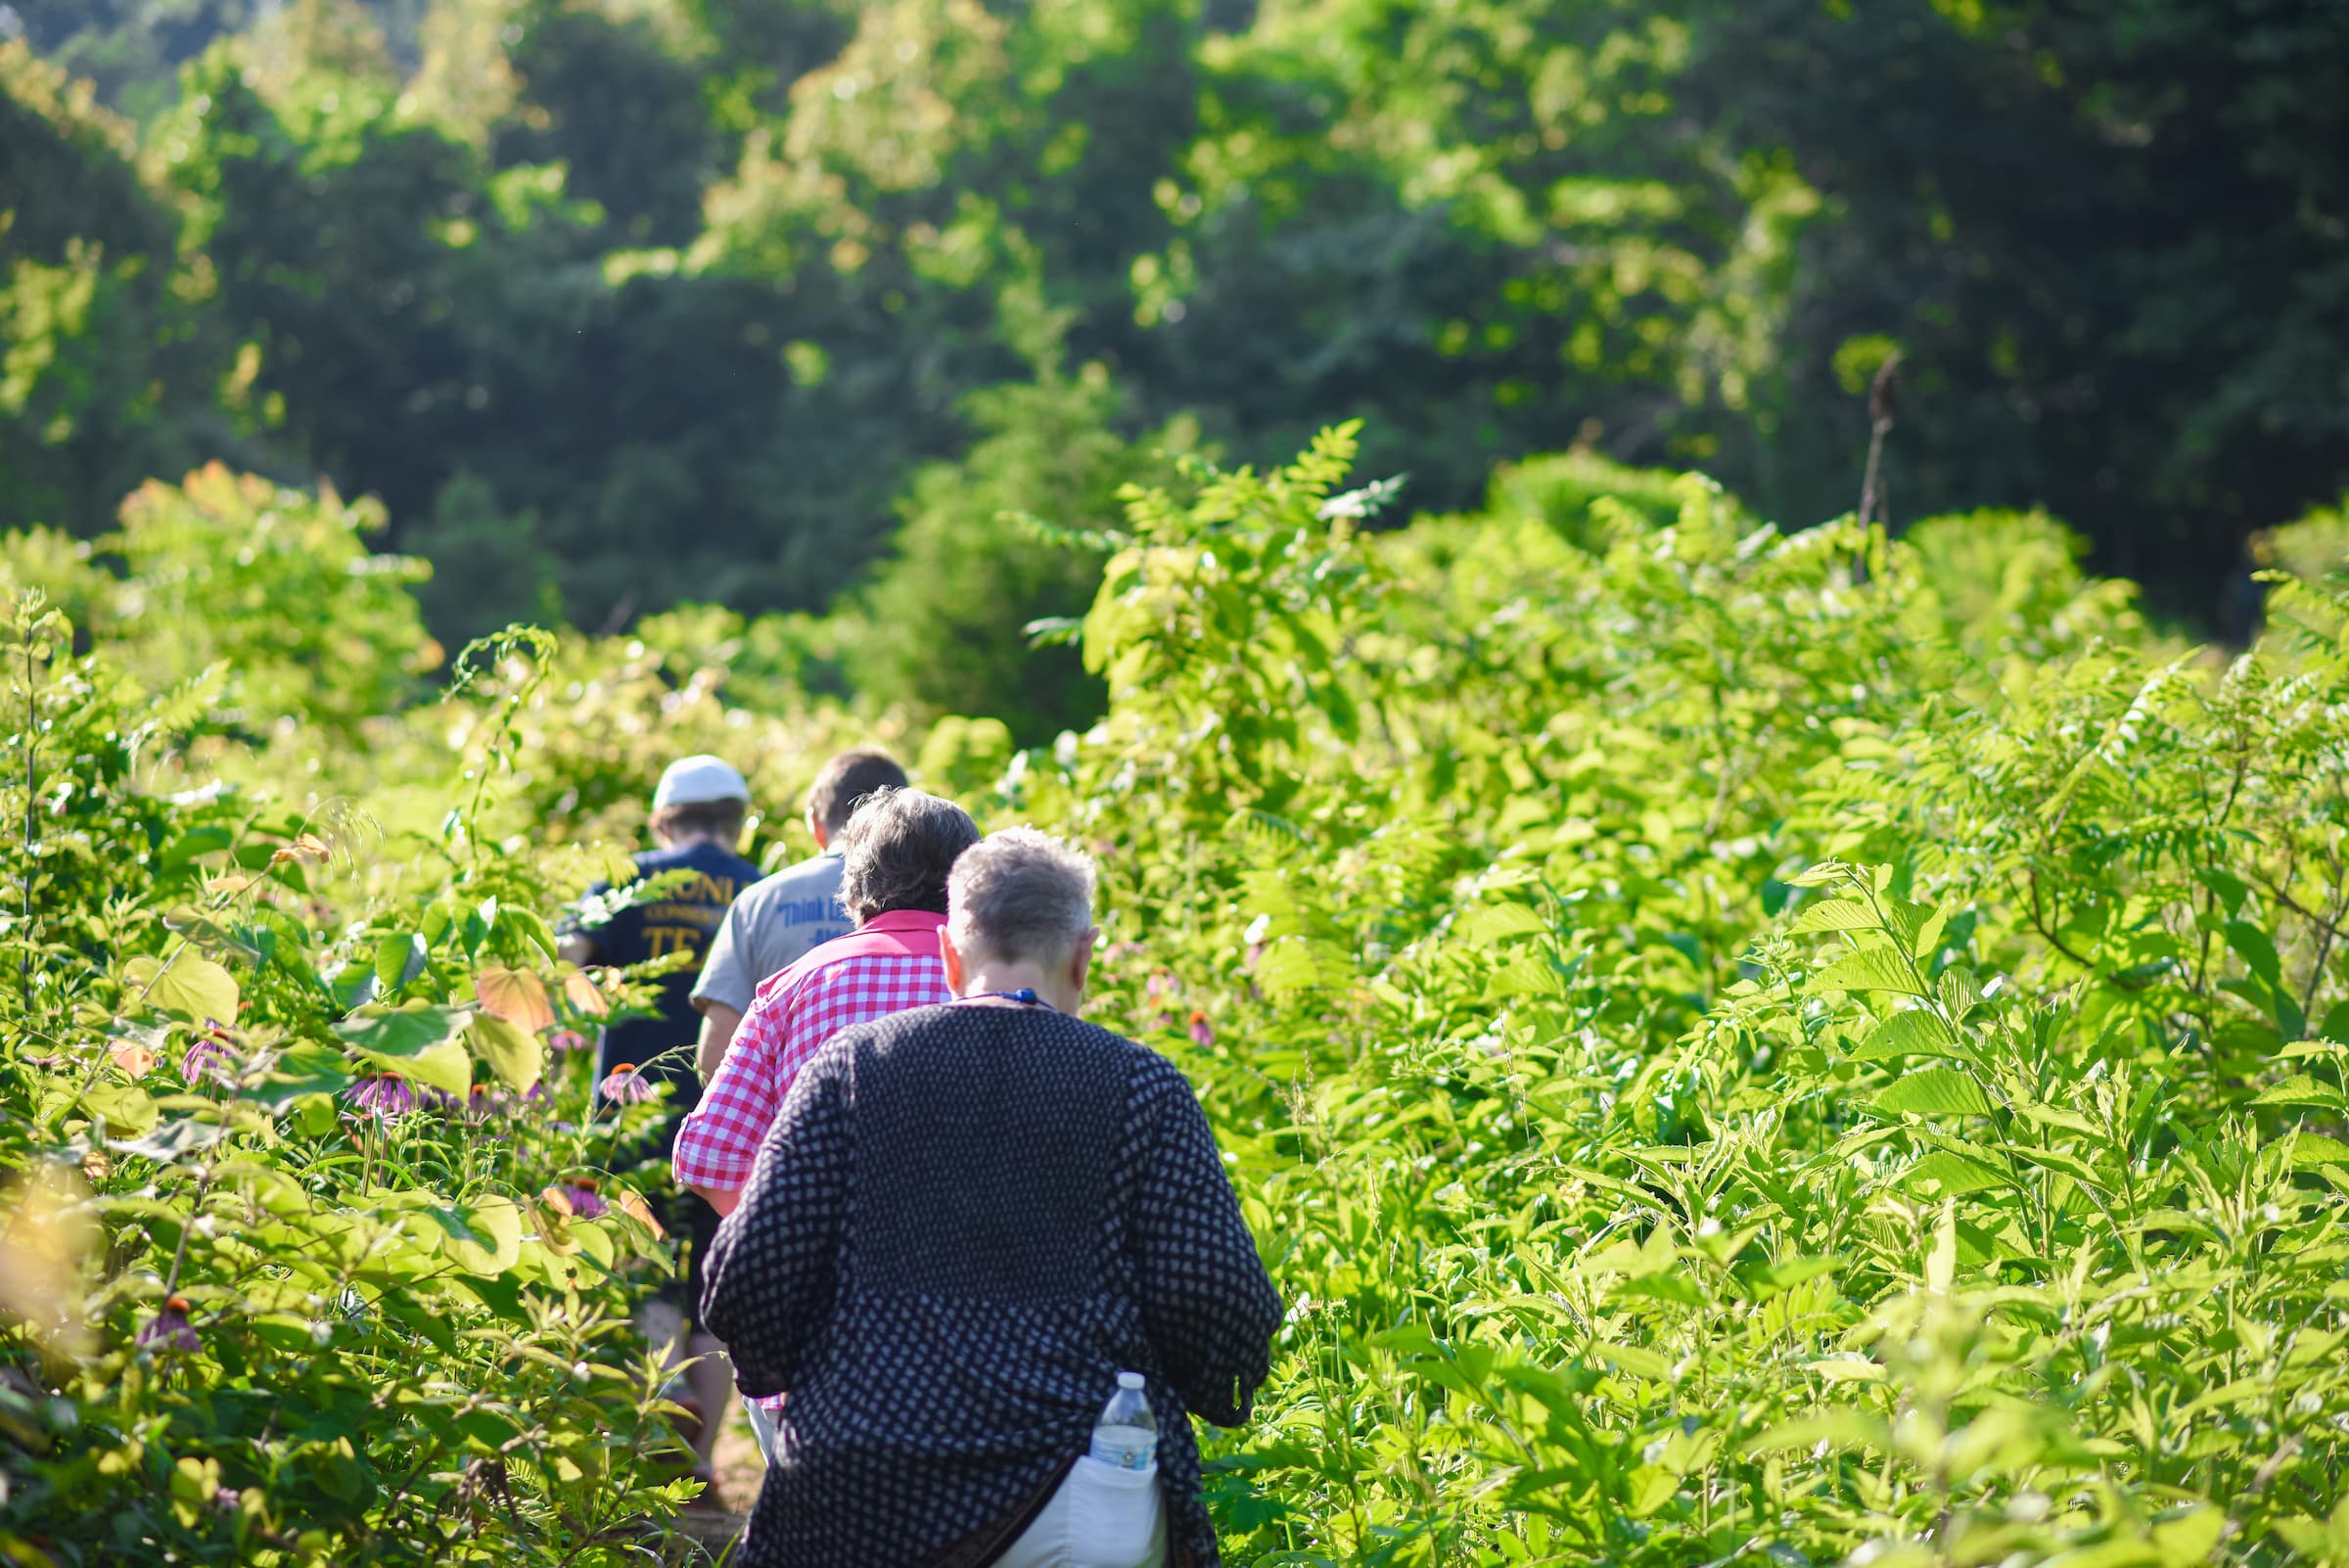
column 718, row 1143
column 774, row 1268
column 726, row 977
column 1208, row 1305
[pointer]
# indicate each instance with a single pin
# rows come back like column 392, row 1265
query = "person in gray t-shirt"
column 775, row 921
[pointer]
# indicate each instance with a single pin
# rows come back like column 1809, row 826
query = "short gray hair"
column 898, row 847
column 1020, row 894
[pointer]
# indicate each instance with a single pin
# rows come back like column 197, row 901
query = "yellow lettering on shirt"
column 664, row 939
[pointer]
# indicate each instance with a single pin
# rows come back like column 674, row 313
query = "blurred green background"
column 791, row 305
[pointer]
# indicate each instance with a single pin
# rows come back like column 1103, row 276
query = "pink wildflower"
column 170, row 1330
column 1203, row 1033
column 207, row 1061
column 627, row 1087
column 584, row 1202
column 566, row 1040
column 384, row 1096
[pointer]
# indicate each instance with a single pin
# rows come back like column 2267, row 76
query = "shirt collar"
column 905, row 920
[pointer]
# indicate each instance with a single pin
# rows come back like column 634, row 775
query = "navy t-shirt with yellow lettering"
column 681, row 920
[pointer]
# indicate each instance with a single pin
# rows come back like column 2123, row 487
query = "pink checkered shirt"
column 888, row 964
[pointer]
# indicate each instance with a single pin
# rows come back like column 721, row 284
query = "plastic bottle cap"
column 1129, row 1380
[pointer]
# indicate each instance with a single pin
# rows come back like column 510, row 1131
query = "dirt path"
column 740, row 1469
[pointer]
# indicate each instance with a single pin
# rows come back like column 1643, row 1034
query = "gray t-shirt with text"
column 770, row 925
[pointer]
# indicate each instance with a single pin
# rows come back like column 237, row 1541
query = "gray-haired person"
column 777, row 919
column 968, row 1220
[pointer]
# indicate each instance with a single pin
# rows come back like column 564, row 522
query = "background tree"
column 641, row 302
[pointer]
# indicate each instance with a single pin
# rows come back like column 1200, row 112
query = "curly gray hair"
column 1020, row 894
column 899, row 846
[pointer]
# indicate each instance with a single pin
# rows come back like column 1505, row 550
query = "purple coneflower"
column 584, row 1201
column 566, row 1040
column 206, row 1059
column 488, row 1101
column 627, row 1087
column 1203, row 1033
column 171, row 1329
column 385, row 1096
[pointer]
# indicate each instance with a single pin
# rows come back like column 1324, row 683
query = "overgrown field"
column 1740, row 1047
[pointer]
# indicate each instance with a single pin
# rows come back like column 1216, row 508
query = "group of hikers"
column 934, row 1224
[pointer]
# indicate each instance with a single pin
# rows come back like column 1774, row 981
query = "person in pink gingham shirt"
column 898, row 847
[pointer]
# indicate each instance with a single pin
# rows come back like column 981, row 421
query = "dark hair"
column 900, row 846
column 719, row 819
column 847, row 779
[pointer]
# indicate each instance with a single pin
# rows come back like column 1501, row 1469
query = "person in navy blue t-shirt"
column 698, row 813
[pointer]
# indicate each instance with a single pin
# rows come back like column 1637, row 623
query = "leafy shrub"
column 1740, row 1048
column 295, row 1249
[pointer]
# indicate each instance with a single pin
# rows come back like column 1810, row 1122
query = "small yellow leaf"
column 583, row 994
column 636, row 1209
column 234, row 882
column 516, row 996
column 309, row 846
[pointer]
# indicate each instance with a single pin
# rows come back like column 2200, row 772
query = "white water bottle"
column 1127, row 1435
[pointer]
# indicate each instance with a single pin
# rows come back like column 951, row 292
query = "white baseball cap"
column 692, row 780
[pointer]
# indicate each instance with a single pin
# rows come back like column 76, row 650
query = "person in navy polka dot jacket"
column 966, row 1221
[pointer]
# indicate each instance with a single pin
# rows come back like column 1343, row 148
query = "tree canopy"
column 617, row 305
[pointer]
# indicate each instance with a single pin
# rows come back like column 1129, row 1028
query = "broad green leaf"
column 129, row 1110
column 2313, row 1150
column 1838, row 915
column 2058, row 1116
column 398, row 959
column 1934, row 1091
column 417, row 1041
column 514, row 1055
column 1960, row 993
column 1927, row 940
column 482, row 1238
column 2191, row 1538
column 2257, row 950
column 2231, row 889
column 1819, row 875
column 1836, row 1426
column 1869, row 969
column 1766, row 1280
column 1956, row 1173
column 308, row 1068
column 1917, row 1032
column 2300, row 1089
column 1637, row 1360
column 190, row 985
column 2070, row 1163
column 1499, row 922
column 1651, row 1487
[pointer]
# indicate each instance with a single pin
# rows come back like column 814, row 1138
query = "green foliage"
column 254, row 1316
column 657, row 303
column 1738, row 1046
column 940, row 624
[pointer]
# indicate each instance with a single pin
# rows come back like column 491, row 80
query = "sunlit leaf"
column 1869, row 969
column 1934, row 1091
column 188, row 985
column 517, row 1057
